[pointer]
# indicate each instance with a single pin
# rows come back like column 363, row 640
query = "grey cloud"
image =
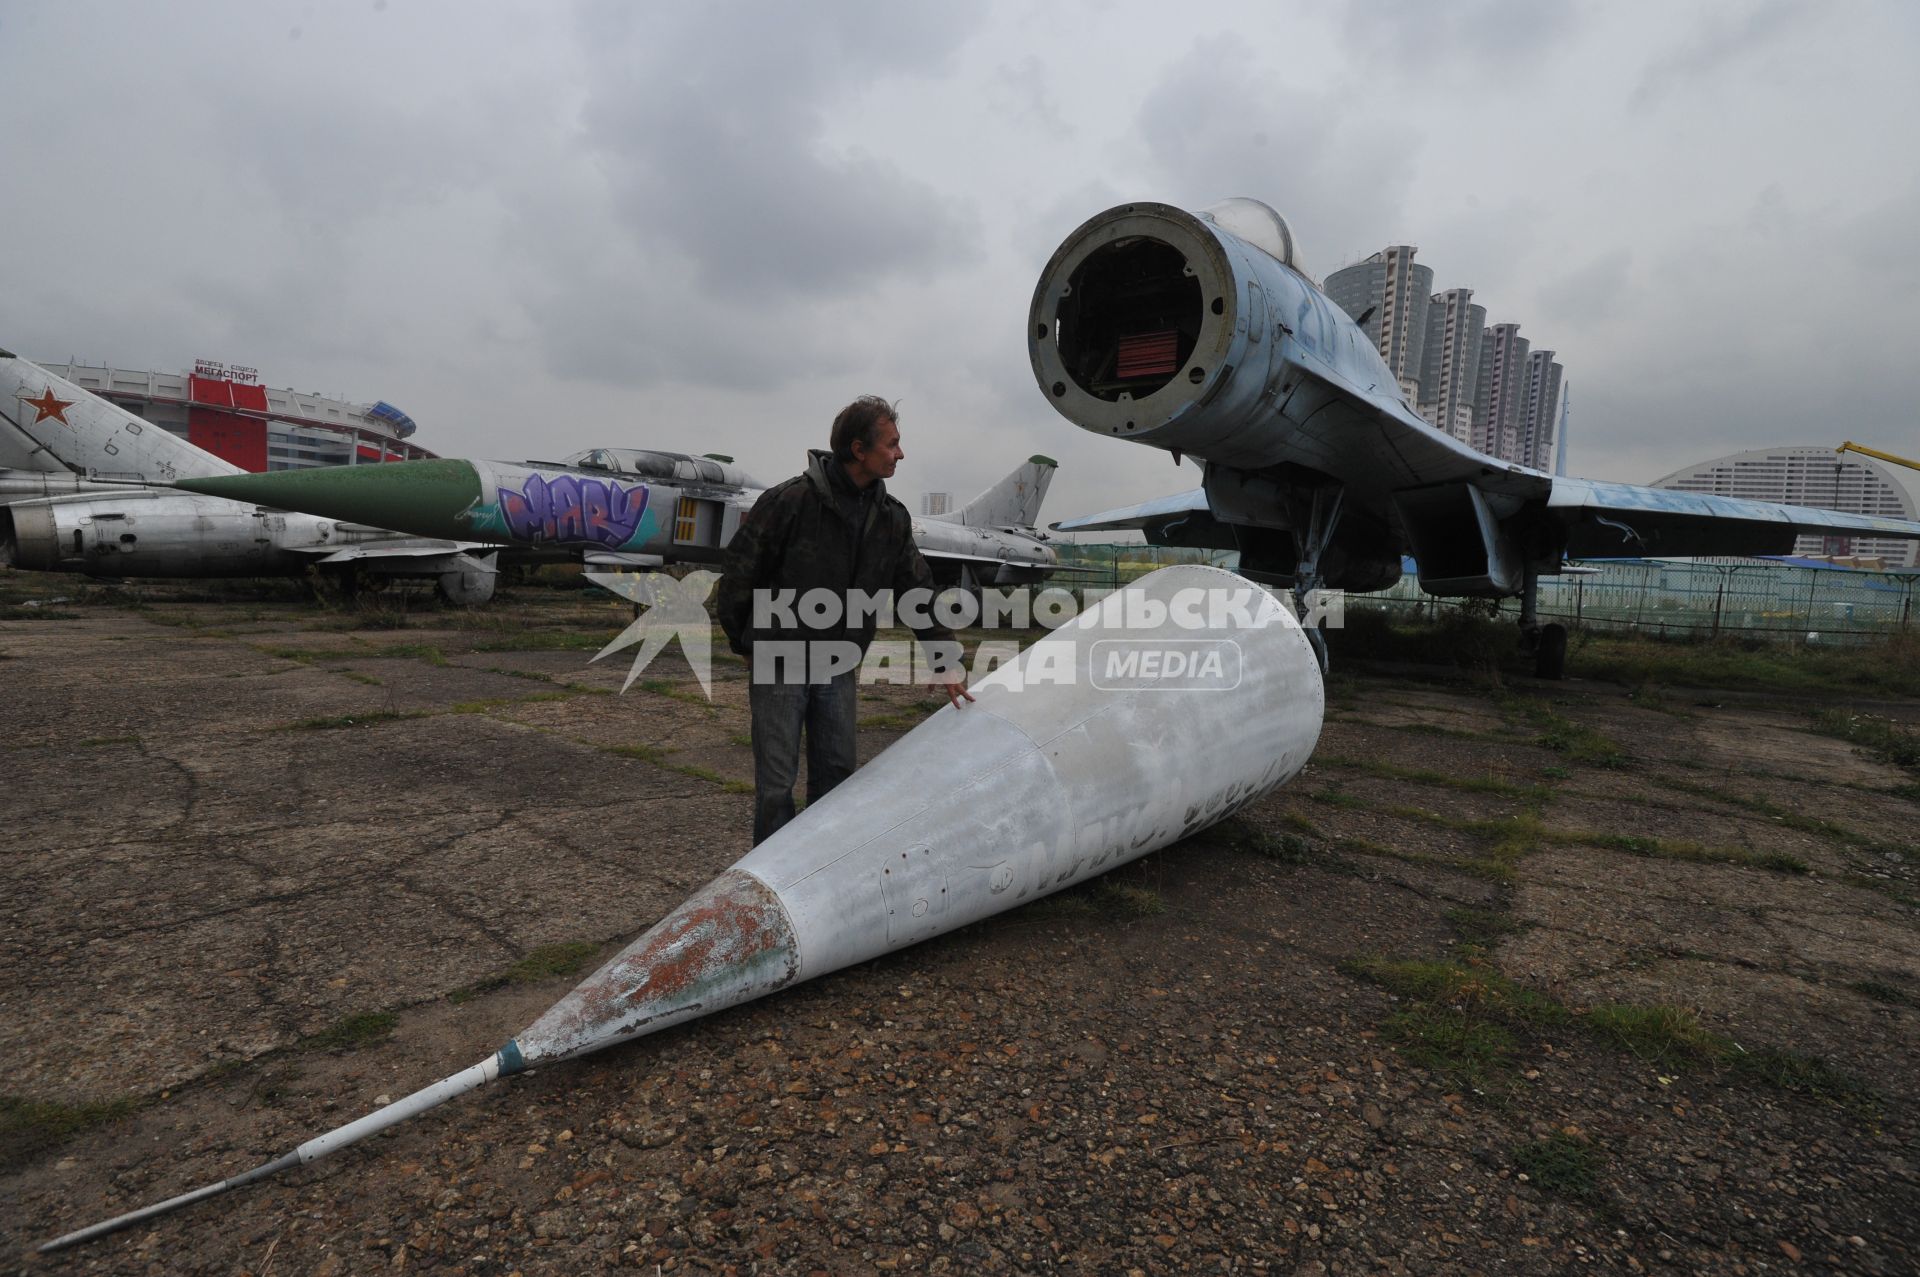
column 1468, row 36
column 711, row 126
column 1722, row 40
column 1220, row 124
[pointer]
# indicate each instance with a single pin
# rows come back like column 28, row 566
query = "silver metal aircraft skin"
column 74, row 501
column 1200, row 333
column 1060, row 770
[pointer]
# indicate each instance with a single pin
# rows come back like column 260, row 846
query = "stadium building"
column 225, row 410
column 1820, row 477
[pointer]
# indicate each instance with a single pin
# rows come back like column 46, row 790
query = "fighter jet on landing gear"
column 1200, row 334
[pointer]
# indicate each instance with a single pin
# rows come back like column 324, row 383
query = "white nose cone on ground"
column 1164, row 709
column 1161, row 710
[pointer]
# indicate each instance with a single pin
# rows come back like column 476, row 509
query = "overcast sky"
column 540, row 227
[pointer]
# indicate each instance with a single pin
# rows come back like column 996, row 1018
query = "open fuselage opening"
column 1130, row 319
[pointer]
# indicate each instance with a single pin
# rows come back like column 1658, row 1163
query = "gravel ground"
column 1204, row 1065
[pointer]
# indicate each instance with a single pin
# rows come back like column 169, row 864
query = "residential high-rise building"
column 1392, row 290
column 1540, row 411
column 1475, row 382
column 1814, row 476
column 1497, row 397
column 1450, row 366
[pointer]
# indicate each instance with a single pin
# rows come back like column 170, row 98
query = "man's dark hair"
column 857, row 423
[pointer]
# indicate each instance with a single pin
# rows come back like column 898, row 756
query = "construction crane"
column 1865, row 451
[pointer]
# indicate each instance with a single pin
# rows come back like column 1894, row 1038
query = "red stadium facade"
column 225, row 410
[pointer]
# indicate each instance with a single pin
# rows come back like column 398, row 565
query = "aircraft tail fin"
column 1014, row 502
column 90, row 436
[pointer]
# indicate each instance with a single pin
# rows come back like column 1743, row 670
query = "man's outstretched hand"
column 957, row 691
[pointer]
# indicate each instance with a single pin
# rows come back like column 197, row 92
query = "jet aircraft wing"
column 1615, row 518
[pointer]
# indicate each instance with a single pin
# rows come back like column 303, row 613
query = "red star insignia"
column 48, row 406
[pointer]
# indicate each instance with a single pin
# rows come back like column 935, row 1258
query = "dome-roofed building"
column 1810, row 475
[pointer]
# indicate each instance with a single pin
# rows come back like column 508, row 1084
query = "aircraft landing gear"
column 1546, row 643
column 1321, row 522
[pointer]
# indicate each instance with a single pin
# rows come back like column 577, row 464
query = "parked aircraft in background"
column 1198, row 333
column 624, row 507
column 75, row 502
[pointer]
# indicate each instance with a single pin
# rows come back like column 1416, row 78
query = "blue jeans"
column 780, row 711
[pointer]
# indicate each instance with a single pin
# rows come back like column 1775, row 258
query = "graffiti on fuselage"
column 574, row 508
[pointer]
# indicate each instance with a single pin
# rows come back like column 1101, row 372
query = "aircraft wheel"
column 1550, row 652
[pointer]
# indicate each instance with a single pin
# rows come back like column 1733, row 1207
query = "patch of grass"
column 353, row 1032
column 534, row 675
column 662, row 687
column 1883, row 738
column 1909, row 792
column 97, row 742
column 1443, row 780
column 36, row 614
column 1692, row 852
column 893, row 721
column 1669, row 1036
column 712, row 777
column 1467, row 1048
column 1240, row 835
column 1127, row 899
column 365, row 680
column 1892, row 667
column 1556, row 773
column 1564, row 736
column 337, row 722
column 1880, row 991
column 485, row 704
column 1474, row 986
column 1483, row 928
column 543, row 641
column 1673, row 1038
column 30, row 1127
column 662, row 758
column 427, row 652
column 1299, row 824
column 543, row 963
column 1334, row 796
column 1560, row 1164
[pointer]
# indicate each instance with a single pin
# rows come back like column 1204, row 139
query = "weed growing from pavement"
column 1459, row 1018
column 1890, row 667
column 1781, row 815
column 28, row 1127
column 353, row 1032
column 1564, row 736
column 1884, row 739
column 663, row 758
column 1241, row 834
column 1128, row 900
column 543, row 963
column 1481, row 929
column 427, row 652
column 1443, row 780
column 1673, row 1038
column 337, row 722
column 97, row 742
column 366, row 680
column 1560, row 1164
column 485, row 704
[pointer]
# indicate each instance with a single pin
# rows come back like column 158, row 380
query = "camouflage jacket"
column 800, row 535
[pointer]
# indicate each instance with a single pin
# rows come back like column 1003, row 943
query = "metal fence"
column 1786, row 601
